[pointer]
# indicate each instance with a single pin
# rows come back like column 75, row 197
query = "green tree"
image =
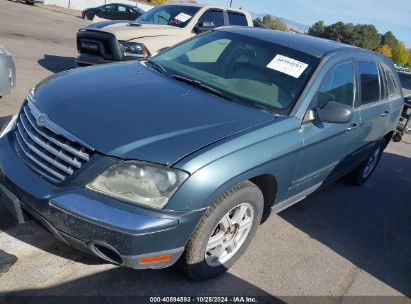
column 400, row 54
column 270, row 23
column 339, row 31
column 317, row 29
column 389, row 39
column 365, row 36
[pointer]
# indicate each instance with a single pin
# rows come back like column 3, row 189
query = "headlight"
column 7, row 127
column 134, row 49
column 139, row 183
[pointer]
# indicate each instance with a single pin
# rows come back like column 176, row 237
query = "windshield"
column 249, row 70
column 175, row 15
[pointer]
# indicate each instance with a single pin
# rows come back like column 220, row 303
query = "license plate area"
column 12, row 203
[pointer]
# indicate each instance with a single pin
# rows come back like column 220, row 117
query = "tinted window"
column 252, row 71
column 175, row 15
column 337, row 86
column 370, row 86
column 110, row 8
column 392, row 85
column 122, row 9
column 214, row 16
column 237, row 19
column 405, row 83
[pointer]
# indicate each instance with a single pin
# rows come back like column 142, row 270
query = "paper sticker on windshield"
column 287, row 66
column 183, row 17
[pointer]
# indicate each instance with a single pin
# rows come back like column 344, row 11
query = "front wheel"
column 360, row 175
column 224, row 232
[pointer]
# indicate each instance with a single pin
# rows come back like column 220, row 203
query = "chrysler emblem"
column 40, row 120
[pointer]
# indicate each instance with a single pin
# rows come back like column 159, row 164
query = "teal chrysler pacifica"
column 179, row 158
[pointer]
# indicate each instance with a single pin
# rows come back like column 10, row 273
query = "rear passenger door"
column 373, row 105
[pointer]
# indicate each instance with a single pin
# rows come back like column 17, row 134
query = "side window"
column 369, row 82
column 392, row 85
column 337, row 86
column 237, row 19
column 209, row 52
column 214, row 16
column 121, row 9
column 110, row 8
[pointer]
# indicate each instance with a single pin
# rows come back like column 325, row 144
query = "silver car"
column 7, row 72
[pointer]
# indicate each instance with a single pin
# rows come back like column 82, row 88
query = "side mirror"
column 335, row 112
column 204, row 26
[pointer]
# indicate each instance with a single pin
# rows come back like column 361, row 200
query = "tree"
column 389, row 39
column 385, row 50
column 270, row 23
column 317, row 29
column 365, row 36
column 158, row 2
column 339, row 31
column 399, row 53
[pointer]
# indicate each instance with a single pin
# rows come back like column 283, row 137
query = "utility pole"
column 231, row 2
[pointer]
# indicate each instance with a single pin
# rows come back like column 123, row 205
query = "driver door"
column 327, row 145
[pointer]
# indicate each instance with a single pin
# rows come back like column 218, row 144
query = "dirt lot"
column 343, row 241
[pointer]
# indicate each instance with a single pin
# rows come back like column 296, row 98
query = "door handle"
column 385, row 113
column 352, row 127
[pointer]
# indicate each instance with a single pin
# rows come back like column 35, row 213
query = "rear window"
column 369, row 81
column 405, row 83
column 392, row 86
column 237, row 19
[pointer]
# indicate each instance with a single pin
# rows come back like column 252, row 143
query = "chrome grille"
column 46, row 148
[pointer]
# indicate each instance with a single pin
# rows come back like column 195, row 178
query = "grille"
column 46, row 148
column 104, row 46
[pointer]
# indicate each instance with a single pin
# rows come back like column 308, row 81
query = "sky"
column 392, row 15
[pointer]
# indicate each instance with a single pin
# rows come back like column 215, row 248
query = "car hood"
column 129, row 111
column 126, row 30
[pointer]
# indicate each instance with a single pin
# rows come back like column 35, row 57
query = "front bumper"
column 115, row 231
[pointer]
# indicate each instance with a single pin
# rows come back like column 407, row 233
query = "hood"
column 129, row 111
column 126, row 30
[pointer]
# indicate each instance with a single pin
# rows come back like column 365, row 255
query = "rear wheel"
column 360, row 175
column 224, row 232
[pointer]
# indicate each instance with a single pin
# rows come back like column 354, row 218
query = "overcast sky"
column 392, row 15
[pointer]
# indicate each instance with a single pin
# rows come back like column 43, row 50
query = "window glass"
column 405, row 83
column 337, row 86
column 109, row 8
column 214, row 16
column 209, row 52
column 242, row 68
column 237, row 19
column 392, row 85
column 122, row 9
column 370, row 86
column 175, row 15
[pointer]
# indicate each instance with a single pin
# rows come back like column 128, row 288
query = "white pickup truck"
column 159, row 28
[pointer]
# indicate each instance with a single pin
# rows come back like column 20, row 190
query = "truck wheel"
column 224, row 232
column 360, row 175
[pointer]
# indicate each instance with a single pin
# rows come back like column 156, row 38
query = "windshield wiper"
column 158, row 66
column 200, row 85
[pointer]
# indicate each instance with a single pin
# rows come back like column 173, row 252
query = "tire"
column 396, row 137
column 89, row 16
column 233, row 219
column 30, row 2
column 360, row 175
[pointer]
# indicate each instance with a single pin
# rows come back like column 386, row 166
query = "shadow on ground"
column 57, row 64
column 369, row 225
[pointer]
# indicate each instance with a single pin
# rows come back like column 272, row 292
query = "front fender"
column 277, row 155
